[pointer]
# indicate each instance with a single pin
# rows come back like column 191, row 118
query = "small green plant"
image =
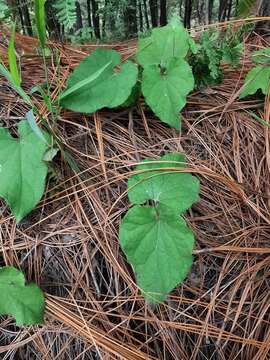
column 4, row 10
column 258, row 78
column 66, row 13
column 153, row 234
column 215, row 48
column 166, row 76
column 25, row 303
column 94, row 85
column 82, row 36
column 22, row 174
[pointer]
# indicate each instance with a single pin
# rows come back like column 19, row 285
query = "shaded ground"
column 69, row 244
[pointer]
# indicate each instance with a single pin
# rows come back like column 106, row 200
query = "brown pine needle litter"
column 69, row 244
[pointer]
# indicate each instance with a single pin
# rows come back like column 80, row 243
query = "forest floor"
column 69, row 243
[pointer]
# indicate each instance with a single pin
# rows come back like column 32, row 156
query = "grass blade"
column 40, row 21
column 12, row 60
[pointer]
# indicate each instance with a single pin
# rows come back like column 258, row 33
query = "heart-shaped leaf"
column 96, row 84
column 158, row 180
column 159, row 246
column 22, row 169
column 165, row 89
column 165, row 43
column 24, row 302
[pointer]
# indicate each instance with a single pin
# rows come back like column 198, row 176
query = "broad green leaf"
column 257, row 78
column 165, row 89
column 35, row 128
column 40, row 21
column 84, row 82
column 24, row 302
column 164, row 44
column 22, row 169
column 12, row 60
column 110, row 89
column 159, row 246
column 158, row 180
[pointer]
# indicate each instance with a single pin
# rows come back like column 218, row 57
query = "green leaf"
column 232, row 54
column 50, row 154
column 12, row 60
column 261, row 56
column 66, row 13
column 158, row 180
column 244, row 8
column 32, row 122
column 18, row 89
column 165, row 43
column 84, row 82
column 22, row 169
column 159, row 246
column 4, row 10
column 24, row 302
column 109, row 89
column 165, row 89
column 40, row 21
column 257, row 78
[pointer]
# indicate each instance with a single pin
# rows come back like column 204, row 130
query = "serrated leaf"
column 110, row 89
column 165, row 43
column 66, row 13
column 244, row 8
column 165, row 89
column 232, row 54
column 22, row 169
column 24, row 302
column 257, row 78
column 159, row 246
column 160, row 182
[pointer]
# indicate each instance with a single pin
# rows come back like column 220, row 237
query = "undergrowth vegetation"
column 167, row 66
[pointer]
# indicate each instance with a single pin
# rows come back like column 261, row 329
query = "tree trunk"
column 180, row 8
column 95, row 18
column 79, row 21
column 140, row 16
column 154, row 12
column 200, row 11
column 264, row 8
column 52, row 23
column 130, row 18
column 222, row 10
column 210, row 11
column 88, row 6
column 229, row 10
column 24, row 14
column 146, row 14
column 163, row 13
column 188, row 12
